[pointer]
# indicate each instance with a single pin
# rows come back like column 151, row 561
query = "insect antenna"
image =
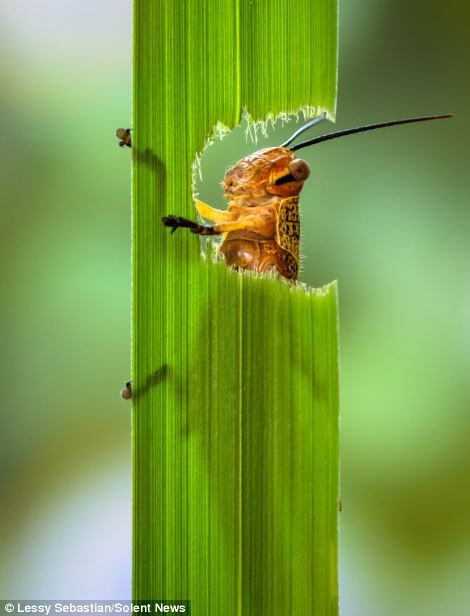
column 303, row 129
column 362, row 129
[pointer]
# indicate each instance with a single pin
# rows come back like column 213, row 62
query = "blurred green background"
column 385, row 213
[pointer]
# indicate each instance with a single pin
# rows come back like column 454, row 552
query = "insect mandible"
column 261, row 227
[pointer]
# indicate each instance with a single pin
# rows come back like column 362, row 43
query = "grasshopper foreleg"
column 176, row 221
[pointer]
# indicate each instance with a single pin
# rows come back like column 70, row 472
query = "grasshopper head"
column 273, row 171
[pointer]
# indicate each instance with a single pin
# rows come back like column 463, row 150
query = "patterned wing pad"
column 288, row 227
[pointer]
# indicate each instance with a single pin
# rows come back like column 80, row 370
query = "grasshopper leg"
column 177, row 221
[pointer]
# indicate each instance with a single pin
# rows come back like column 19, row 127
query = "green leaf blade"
column 235, row 438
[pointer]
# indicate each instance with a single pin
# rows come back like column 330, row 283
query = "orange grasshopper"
column 261, row 227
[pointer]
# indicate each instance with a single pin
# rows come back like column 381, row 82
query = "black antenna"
column 361, row 129
column 303, row 129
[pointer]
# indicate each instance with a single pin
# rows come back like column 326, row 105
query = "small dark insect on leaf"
column 126, row 393
column 152, row 380
column 124, row 134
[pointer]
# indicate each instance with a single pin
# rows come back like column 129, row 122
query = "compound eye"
column 299, row 169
